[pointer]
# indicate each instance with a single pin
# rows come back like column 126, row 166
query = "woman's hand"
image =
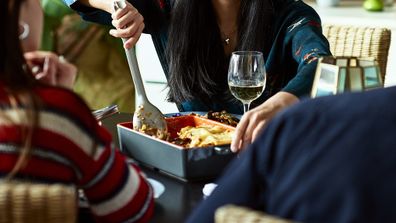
column 129, row 24
column 254, row 121
column 48, row 68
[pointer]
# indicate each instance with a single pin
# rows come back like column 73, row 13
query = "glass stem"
column 246, row 107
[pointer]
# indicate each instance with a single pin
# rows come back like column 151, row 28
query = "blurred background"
column 103, row 77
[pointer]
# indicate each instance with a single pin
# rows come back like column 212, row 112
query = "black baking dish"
column 190, row 164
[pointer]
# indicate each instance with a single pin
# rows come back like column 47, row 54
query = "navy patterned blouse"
column 297, row 44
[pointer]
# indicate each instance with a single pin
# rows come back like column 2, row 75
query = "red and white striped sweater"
column 62, row 151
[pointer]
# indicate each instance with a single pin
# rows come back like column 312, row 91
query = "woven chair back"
column 29, row 202
column 238, row 214
column 359, row 42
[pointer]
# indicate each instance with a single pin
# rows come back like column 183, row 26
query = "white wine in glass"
column 246, row 76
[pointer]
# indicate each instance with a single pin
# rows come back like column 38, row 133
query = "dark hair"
column 16, row 78
column 197, row 62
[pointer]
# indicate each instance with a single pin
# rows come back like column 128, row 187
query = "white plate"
column 157, row 186
column 208, row 189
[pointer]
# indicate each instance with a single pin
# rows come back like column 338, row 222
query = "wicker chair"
column 359, row 42
column 28, row 202
column 237, row 214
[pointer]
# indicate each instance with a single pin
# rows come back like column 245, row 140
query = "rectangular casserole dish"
column 188, row 164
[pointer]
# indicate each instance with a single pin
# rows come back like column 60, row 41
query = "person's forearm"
column 284, row 99
column 280, row 101
column 105, row 5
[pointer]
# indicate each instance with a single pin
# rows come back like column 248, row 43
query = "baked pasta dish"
column 204, row 135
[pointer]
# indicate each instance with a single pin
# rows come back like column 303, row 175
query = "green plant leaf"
column 55, row 8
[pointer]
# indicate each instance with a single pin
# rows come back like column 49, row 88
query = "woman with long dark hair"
column 48, row 134
column 194, row 40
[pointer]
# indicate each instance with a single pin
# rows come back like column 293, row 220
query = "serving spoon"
column 147, row 118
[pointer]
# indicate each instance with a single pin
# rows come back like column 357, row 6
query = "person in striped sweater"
column 48, row 134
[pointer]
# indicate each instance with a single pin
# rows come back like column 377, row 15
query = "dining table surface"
column 179, row 197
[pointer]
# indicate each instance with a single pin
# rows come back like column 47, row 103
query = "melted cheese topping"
column 206, row 135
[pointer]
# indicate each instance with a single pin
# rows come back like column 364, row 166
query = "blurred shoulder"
column 292, row 9
column 66, row 102
column 347, row 105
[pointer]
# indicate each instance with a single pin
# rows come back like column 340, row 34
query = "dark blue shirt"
column 297, row 44
column 332, row 159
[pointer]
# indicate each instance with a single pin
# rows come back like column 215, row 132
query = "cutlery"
column 147, row 118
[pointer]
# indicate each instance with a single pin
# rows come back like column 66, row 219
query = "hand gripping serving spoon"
column 147, row 118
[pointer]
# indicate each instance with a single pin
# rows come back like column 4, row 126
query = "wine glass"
column 246, row 76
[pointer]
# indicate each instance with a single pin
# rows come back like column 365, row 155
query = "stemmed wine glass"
column 246, row 76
